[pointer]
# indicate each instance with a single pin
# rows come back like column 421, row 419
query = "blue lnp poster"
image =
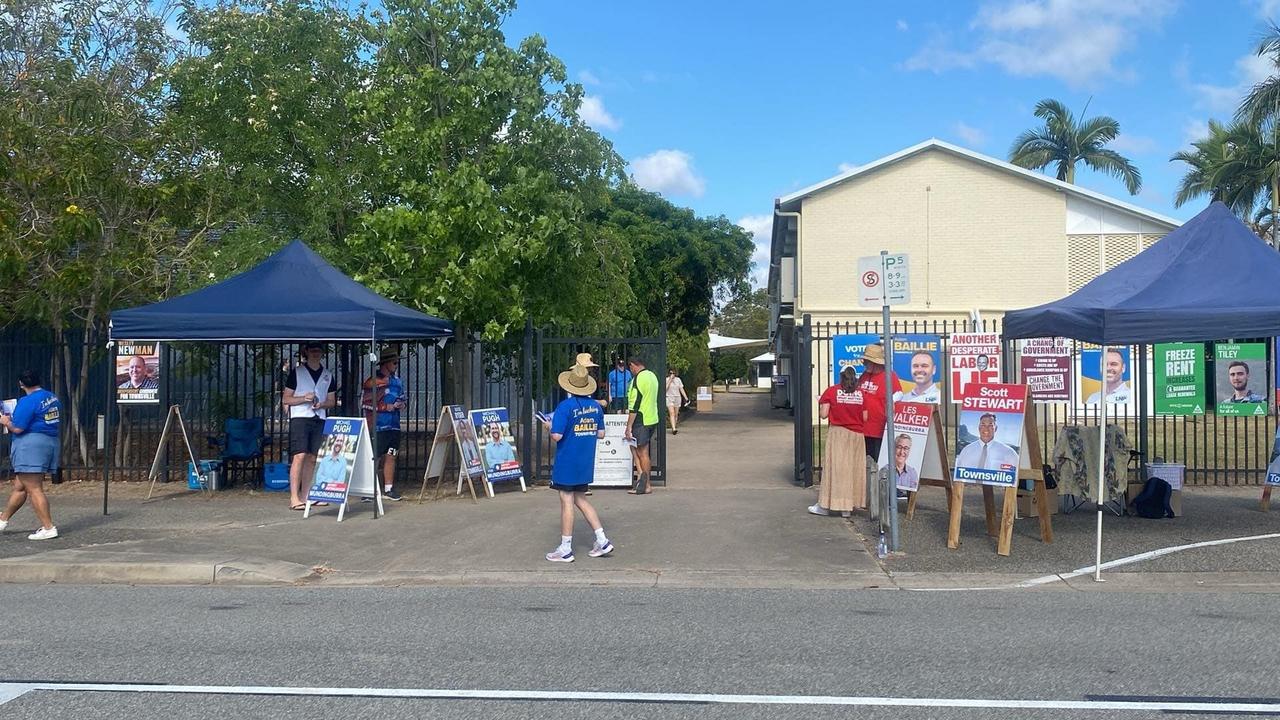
column 497, row 444
column 847, row 350
column 335, row 460
column 916, row 361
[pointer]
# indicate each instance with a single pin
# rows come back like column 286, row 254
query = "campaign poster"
column 137, row 372
column 975, row 359
column 497, row 444
column 916, row 362
column 613, row 455
column 468, row 445
column 1240, row 378
column 1118, row 373
column 910, row 437
column 335, row 461
column 847, row 350
column 990, row 434
column 1045, row 364
column 1179, row 370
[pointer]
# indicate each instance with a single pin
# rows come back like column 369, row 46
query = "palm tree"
column 1236, row 164
column 1064, row 143
column 1261, row 109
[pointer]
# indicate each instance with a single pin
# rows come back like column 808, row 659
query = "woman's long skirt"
column 844, row 471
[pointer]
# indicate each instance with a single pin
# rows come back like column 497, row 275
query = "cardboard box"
column 704, row 398
column 1027, row 503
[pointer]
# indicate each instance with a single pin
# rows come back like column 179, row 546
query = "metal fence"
column 1215, row 450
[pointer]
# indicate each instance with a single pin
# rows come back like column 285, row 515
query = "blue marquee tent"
column 1210, row 279
column 291, row 296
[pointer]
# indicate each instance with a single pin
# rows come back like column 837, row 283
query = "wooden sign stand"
column 437, row 459
column 157, row 463
column 1030, row 467
column 1266, row 498
column 935, row 470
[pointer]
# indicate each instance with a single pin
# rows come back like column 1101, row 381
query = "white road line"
column 11, row 690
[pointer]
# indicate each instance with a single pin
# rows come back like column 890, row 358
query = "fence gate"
column 548, row 352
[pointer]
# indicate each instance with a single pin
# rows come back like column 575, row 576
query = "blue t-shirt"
column 619, row 381
column 577, row 420
column 39, row 412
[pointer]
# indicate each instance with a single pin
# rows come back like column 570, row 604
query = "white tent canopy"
column 720, row 342
column 763, row 357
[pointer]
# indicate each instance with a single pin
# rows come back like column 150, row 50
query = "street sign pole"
column 890, row 494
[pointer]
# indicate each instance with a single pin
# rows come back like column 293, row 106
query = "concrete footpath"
column 730, row 518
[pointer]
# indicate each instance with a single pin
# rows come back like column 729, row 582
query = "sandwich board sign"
column 344, row 466
column 454, row 429
column 497, row 447
column 613, row 455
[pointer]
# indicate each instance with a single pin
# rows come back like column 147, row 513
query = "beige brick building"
column 982, row 235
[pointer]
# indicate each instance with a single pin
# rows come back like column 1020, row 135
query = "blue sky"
column 723, row 106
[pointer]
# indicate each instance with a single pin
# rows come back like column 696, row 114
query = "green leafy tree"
column 744, row 316
column 730, row 365
column 85, row 201
column 1064, row 143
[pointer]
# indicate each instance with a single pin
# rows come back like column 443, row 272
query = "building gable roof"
column 792, row 202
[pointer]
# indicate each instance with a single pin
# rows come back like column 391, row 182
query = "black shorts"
column 570, row 488
column 305, row 435
column 388, row 442
column 643, row 434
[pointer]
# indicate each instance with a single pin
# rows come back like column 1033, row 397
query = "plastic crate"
column 275, row 477
column 206, row 466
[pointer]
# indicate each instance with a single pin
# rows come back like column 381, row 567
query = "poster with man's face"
column 916, row 360
column 497, row 444
column 1115, row 376
column 137, row 372
column 1240, row 374
column 335, row 460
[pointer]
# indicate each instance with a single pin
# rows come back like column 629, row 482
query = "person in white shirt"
column 925, row 390
column 676, row 397
column 987, row 453
column 309, row 392
column 1117, row 387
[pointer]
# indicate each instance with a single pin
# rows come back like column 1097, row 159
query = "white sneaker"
column 558, row 555
column 44, row 534
column 600, row 550
column 3, row 524
column 817, row 509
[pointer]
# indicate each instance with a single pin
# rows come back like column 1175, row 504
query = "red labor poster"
column 975, row 358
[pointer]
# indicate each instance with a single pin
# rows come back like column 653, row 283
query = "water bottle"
column 882, row 549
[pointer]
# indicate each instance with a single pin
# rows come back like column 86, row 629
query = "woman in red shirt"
column 871, row 385
column 844, row 468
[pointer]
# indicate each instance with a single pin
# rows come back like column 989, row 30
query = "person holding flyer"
column 872, row 386
column 576, row 426
column 844, row 474
column 33, row 452
column 309, row 391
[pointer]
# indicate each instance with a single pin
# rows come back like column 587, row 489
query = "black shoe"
column 675, row 432
column 391, row 494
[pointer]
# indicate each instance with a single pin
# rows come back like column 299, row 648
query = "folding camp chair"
column 243, row 442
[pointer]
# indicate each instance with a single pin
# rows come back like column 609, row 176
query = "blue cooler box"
column 206, row 466
column 275, row 477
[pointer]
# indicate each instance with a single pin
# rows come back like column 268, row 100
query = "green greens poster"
column 1240, row 371
column 1179, row 379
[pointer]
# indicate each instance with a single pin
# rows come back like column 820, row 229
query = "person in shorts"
column 642, row 421
column 576, row 426
column 384, row 399
column 309, row 391
column 33, row 452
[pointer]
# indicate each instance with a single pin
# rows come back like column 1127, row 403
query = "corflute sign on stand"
column 613, row 456
column 990, row 435
column 975, row 358
column 344, row 466
column 497, row 447
column 907, row 447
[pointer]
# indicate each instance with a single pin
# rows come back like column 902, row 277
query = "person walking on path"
column 309, row 391
column 844, row 466
column 575, row 426
column 384, row 399
column 676, row 397
column 872, row 384
column 642, row 421
column 33, row 451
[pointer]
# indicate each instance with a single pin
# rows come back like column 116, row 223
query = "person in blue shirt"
column 383, row 399
column 576, row 426
column 33, row 452
column 619, row 382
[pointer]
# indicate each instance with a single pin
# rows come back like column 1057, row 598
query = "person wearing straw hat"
column 871, row 385
column 575, row 426
column 382, row 399
column 600, row 395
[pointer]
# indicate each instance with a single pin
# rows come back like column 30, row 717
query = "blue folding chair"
column 243, row 442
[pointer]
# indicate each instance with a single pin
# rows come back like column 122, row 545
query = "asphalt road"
column 1023, row 645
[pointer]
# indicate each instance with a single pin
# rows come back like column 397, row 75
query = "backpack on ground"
column 1153, row 501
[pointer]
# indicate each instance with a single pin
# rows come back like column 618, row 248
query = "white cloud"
column 1077, row 41
column 1248, row 71
column 593, row 113
column 971, row 136
column 669, row 172
column 1268, row 9
column 1193, row 130
column 586, row 77
column 846, row 167
column 761, row 229
column 903, row 26
column 1133, row 144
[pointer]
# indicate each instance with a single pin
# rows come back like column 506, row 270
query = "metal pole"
column 890, row 496
column 1102, row 462
column 110, row 394
column 526, row 409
